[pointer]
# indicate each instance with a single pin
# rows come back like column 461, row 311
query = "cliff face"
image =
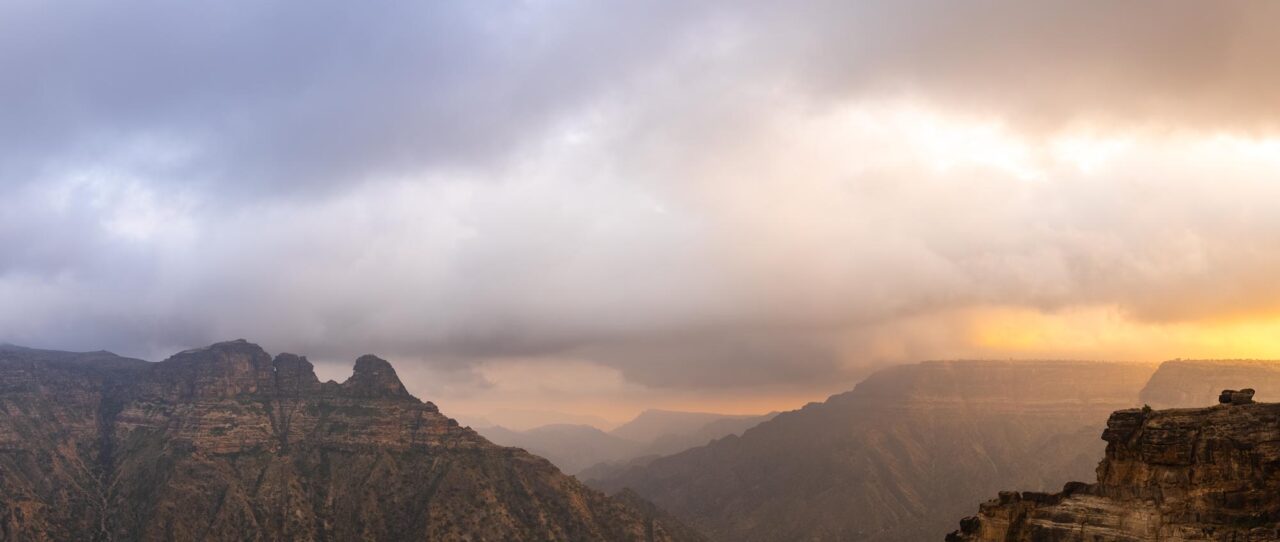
column 1209, row 474
column 900, row 457
column 227, row 443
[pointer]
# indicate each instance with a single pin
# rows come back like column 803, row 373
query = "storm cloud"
column 700, row 197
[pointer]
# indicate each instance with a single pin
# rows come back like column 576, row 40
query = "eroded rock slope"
column 228, row 443
column 1204, row 474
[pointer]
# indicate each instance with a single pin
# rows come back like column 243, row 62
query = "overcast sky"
column 595, row 207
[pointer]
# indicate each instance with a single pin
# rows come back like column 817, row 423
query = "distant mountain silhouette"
column 575, row 448
column 570, row 447
column 653, row 424
column 526, row 419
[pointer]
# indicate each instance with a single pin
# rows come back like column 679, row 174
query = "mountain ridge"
column 226, row 442
column 580, row 448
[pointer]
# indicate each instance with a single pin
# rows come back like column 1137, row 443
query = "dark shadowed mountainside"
column 226, row 443
column 899, row 458
column 600, row 473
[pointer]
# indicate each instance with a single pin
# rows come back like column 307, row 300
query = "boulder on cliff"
column 1234, row 397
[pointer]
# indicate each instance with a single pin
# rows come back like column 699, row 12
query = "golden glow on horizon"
column 1106, row 333
column 807, row 199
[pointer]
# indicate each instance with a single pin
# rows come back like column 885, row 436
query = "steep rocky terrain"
column 900, row 457
column 226, row 443
column 1208, row 474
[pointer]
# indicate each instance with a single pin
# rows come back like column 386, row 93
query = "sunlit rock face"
column 228, row 443
column 900, row 458
column 1206, row 474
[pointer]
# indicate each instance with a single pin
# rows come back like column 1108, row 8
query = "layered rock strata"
column 228, row 443
column 1205, row 474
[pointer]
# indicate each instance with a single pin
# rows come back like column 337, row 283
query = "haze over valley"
column 684, row 271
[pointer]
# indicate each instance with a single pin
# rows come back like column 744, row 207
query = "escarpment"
column 1209, row 474
column 228, row 443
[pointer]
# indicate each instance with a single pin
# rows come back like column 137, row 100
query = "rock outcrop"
column 228, row 443
column 1234, row 397
column 1207, row 474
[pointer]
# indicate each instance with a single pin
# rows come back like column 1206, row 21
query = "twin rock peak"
column 240, row 367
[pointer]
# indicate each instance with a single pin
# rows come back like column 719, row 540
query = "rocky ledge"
column 1208, row 474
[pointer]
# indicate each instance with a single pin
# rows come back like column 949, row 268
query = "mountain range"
column 227, row 443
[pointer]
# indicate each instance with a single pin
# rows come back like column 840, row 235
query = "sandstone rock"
column 1233, row 397
column 374, row 377
column 1210, row 474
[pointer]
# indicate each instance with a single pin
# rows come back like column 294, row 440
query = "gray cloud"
column 252, row 97
column 683, row 192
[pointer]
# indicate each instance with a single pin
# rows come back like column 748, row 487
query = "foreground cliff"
column 899, row 458
column 227, row 443
column 1210, row 474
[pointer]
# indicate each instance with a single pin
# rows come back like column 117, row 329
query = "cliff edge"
column 1206, row 474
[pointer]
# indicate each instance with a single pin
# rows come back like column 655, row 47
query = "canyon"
column 900, row 457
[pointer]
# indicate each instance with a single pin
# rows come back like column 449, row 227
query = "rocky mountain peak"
column 222, row 369
column 374, row 377
column 294, row 374
column 232, row 355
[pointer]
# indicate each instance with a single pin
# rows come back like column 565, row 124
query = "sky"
column 594, row 208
